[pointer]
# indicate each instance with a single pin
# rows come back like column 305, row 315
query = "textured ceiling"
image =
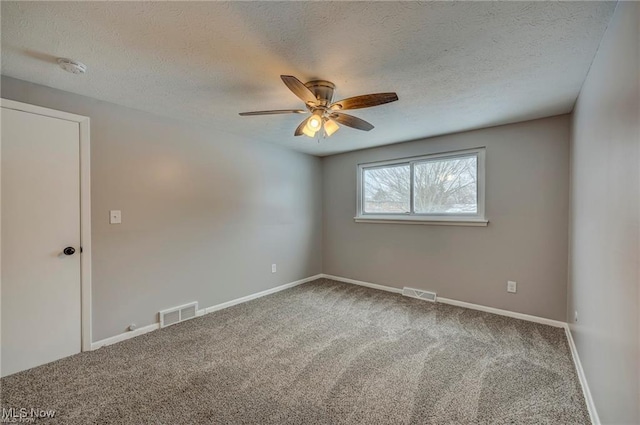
column 455, row 65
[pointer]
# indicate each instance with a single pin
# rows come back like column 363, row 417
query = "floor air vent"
column 178, row 314
column 420, row 294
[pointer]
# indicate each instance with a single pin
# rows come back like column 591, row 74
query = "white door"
column 40, row 165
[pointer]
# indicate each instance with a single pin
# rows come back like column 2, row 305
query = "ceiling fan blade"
column 299, row 89
column 299, row 131
column 274, row 112
column 351, row 121
column 364, row 101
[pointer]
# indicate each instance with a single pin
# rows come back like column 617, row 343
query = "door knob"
column 69, row 250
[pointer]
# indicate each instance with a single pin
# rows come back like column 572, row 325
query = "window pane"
column 386, row 189
column 447, row 186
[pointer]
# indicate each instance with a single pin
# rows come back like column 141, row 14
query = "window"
column 446, row 188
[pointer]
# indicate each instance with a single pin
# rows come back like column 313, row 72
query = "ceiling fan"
column 325, row 114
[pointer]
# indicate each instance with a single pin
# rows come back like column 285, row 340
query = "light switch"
column 115, row 217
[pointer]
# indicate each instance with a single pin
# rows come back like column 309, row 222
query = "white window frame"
column 462, row 219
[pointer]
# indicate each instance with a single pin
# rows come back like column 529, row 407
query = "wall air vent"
column 419, row 294
column 178, row 314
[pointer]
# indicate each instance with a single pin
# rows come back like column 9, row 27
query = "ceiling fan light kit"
column 330, row 127
column 325, row 114
column 315, row 121
column 307, row 130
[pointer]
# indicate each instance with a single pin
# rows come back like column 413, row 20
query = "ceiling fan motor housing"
column 322, row 90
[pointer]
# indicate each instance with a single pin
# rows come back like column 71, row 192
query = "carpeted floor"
column 321, row 353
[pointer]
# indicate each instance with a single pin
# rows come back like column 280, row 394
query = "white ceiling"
column 455, row 65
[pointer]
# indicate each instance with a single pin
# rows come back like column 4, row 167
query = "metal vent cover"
column 419, row 294
column 178, row 314
column 188, row 312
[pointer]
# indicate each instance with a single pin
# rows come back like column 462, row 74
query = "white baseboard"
column 155, row 326
column 361, row 283
column 124, row 336
column 591, row 407
column 498, row 311
column 259, row 294
column 501, row 312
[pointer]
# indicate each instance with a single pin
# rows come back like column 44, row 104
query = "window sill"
column 458, row 221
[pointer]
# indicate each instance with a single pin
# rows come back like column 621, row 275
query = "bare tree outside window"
column 387, row 189
column 446, row 186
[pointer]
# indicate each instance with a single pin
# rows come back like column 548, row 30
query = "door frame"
column 85, row 206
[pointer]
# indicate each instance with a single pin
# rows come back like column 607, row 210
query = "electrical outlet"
column 274, row 268
column 575, row 316
column 511, row 286
column 115, row 217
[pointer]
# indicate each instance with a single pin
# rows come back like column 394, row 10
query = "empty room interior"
column 341, row 212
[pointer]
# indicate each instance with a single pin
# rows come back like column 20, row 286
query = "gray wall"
column 605, row 231
column 204, row 214
column 527, row 191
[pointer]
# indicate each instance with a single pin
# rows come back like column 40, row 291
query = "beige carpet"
column 320, row 353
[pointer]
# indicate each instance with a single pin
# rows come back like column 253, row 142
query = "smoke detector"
column 72, row 66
